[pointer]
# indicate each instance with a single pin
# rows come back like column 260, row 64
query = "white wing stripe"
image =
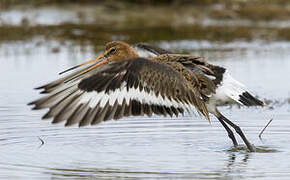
column 132, row 94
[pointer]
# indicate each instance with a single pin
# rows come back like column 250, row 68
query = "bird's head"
column 118, row 51
column 115, row 51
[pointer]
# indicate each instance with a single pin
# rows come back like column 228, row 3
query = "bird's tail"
column 248, row 100
column 237, row 92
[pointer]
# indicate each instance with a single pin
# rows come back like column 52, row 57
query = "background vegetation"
column 146, row 20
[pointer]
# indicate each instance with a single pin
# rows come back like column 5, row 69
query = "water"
column 144, row 148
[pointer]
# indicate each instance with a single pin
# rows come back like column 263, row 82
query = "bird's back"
column 216, row 85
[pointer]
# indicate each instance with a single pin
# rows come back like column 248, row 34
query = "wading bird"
column 119, row 83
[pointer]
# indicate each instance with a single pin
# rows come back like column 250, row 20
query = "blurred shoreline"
column 135, row 21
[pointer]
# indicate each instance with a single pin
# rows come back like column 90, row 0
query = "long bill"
column 88, row 62
column 102, row 62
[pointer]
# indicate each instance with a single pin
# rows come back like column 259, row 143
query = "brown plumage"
column 122, row 84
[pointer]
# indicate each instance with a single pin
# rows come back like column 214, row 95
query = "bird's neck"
column 133, row 53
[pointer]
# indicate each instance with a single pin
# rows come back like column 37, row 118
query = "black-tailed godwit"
column 119, row 84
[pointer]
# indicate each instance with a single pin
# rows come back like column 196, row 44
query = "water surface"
column 141, row 147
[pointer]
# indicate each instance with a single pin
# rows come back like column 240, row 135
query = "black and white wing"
column 129, row 88
column 228, row 90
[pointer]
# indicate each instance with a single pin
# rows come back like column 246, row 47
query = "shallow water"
column 145, row 148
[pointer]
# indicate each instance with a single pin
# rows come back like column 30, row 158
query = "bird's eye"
column 113, row 50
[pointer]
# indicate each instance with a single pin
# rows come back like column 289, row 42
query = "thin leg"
column 230, row 132
column 239, row 131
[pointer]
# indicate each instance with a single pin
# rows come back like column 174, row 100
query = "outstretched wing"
column 209, row 75
column 152, row 49
column 69, row 80
column 129, row 88
column 195, row 63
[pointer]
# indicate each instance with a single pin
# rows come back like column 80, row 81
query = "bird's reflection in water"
column 233, row 157
column 236, row 164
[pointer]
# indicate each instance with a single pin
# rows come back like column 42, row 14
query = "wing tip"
column 248, row 100
column 30, row 103
column 34, row 104
column 153, row 49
